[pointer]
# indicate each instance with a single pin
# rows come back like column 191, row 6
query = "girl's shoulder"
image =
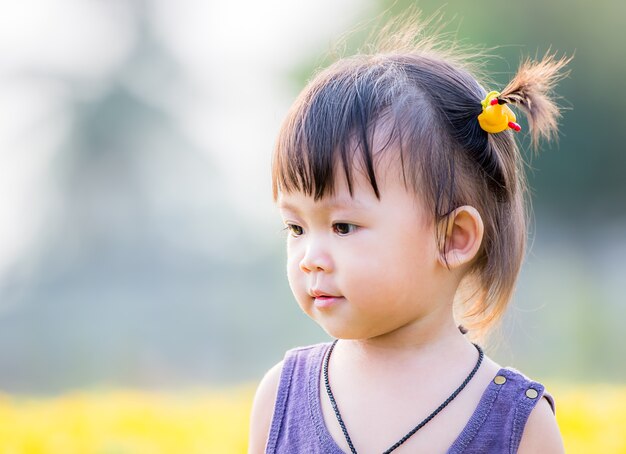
column 534, row 423
column 519, row 405
column 536, row 427
column 262, row 409
column 306, row 351
column 494, row 376
column 266, row 395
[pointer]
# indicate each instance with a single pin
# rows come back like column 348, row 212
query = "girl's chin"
column 342, row 332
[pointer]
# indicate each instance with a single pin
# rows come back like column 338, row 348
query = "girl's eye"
column 343, row 228
column 294, row 229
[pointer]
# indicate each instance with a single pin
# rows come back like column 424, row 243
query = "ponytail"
column 491, row 283
column 531, row 88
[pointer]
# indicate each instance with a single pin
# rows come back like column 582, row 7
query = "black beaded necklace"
column 416, row 428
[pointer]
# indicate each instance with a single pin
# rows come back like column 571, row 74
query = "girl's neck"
column 415, row 344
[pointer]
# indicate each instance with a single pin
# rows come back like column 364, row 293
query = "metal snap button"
column 499, row 380
column 531, row 393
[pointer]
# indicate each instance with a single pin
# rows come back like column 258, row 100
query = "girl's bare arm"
column 541, row 433
column 263, row 409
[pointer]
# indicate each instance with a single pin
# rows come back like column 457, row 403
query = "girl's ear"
column 464, row 236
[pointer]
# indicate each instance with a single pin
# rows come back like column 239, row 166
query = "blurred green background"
column 138, row 242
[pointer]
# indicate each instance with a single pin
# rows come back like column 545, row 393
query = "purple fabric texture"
column 496, row 425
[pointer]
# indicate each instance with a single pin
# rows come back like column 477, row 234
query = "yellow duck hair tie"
column 496, row 115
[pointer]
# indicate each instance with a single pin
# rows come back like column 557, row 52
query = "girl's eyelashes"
column 294, row 229
column 340, row 228
column 343, row 228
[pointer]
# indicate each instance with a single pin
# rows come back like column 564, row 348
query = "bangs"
column 332, row 126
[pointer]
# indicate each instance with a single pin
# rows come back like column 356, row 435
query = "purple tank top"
column 298, row 424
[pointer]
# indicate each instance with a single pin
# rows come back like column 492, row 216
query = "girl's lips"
column 324, row 302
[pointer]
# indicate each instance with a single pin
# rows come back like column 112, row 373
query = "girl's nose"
column 315, row 259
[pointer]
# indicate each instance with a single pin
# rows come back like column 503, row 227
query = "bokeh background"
column 139, row 246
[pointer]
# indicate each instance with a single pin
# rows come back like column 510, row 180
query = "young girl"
column 400, row 182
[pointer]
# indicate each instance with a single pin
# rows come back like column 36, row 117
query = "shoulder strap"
column 527, row 394
column 498, row 422
column 288, row 423
column 281, row 400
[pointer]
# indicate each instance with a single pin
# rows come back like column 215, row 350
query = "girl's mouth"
column 325, row 301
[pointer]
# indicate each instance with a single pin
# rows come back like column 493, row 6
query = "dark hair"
column 422, row 98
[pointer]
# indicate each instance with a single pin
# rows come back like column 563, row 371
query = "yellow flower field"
column 120, row 422
column 592, row 419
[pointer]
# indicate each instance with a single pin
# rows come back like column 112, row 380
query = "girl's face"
column 362, row 267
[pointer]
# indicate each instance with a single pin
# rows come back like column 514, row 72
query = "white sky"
column 236, row 53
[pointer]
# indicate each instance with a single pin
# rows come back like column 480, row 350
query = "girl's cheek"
column 294, row 275
column 292, row 252
column 294, row 256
